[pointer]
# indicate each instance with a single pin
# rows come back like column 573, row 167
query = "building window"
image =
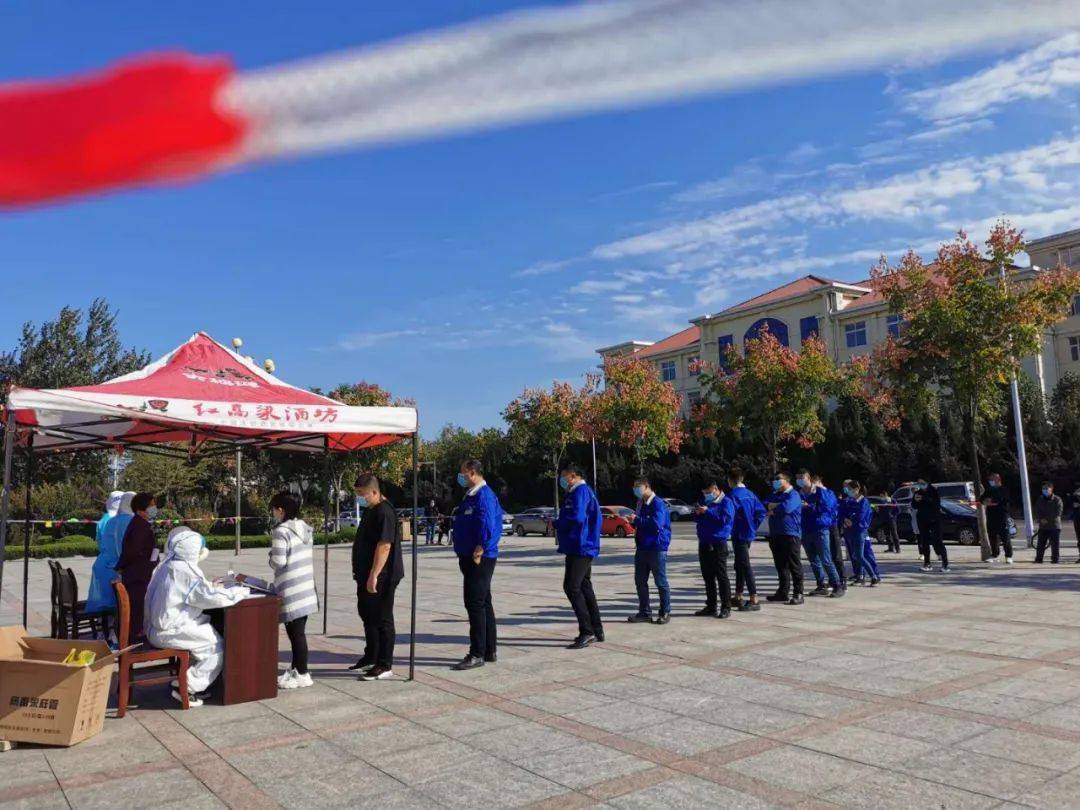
column 1076, row 305
column 724, row 344
column 855, row 334
column 693, row 366
column 776, row 328
column 1074, row 349
column 667, row 370
column 895, row 324
column 808, row 328
column 1071, row 257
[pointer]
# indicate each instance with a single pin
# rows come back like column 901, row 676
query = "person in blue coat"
column 819, row 510
column 714, row 517
column 652, row 537
column 855, row 518
column 477, row 531
column 748, row 514
column 110, row 539
column 577, row 529
column 785, row 534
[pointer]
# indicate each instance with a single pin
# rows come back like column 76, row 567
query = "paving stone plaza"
column 930, row 690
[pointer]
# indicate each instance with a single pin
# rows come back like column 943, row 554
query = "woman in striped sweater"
column 291, row 548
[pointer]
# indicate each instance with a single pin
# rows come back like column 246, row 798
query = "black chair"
column 54, row 599
column 73, row 616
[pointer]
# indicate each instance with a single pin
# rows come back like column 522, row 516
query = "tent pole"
column 415, row 506
column 326, row 545
column 5, row 493
column 239, row 485
column 26, row 527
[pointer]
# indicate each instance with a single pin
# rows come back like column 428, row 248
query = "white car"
column 508, row 523
column 680, row 510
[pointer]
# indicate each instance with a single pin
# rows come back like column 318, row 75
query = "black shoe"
column 776, row 597
column 706, row 611
column 491, row 659
column 749, row 606
column 468, row 662
column 838, row 592
column 724, row 613
column 581, row 642
column 599, row 635
column 377, row 673
column 797, row 599
column 820, row 590
column 875, row 581
column 663, row 618
column 363, row 663
column 639, row 617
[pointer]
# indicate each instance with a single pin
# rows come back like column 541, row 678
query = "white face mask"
column 151, row 512
column 204, row 553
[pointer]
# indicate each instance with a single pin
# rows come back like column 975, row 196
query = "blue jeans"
column 863, row 560
column 816, row 545
column 651, row 561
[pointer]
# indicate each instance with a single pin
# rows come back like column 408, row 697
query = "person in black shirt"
column 1074, row 506
column 927, row 505
column 996, row 501
column 377, row 568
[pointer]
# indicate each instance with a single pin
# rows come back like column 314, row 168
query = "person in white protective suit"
column 176, row 599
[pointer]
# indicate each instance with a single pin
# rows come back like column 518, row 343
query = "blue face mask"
column 776, row 484
column 564, row 483
column 711, row 497
column 361, row 501
column 802, row 483
column 1047, row 491
column 461, row 480
column 639, row 492
column 848, row 492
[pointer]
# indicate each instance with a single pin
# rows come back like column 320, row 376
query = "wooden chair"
column 158, row 665
column 72, row 615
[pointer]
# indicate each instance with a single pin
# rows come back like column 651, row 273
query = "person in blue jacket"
column 785, row 534
column 855, row 518
column 652, row 537
column 819, row 509
column 110, row 539
column 748, row 514
column 577, row 529
column 477, row 531
column 714, row 518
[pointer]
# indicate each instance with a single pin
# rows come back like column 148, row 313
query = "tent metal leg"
column 26, row 529
column 415, row 529
column 5, row 493
column 239, row 490
column 326, row 545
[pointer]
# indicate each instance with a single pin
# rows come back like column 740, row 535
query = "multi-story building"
column 851, row 318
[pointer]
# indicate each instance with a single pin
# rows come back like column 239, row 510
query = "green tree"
column 1065, row 417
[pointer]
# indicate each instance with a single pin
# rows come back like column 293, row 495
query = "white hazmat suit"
column 178, row 594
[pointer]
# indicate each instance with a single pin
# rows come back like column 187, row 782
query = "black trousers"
column 477, row 595
column 892, row 536
column 1051, row 537
column 787, row 557
column 296, row 631
column 836, row 549
column 1076, row 531
column 930, row 535
column 713, row 560
column 998, row 532
column 744, row 571
column 577, row 585
column 377, row 613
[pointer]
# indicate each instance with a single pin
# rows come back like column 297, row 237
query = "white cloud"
column 943, row 131
column 1038, row 73
column 803, row 152
column 598, row 287
column 356, row 341
column 544, row 268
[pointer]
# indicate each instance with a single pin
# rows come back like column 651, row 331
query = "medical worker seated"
column 176, row 599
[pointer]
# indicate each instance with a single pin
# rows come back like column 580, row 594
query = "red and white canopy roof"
column 201, row 392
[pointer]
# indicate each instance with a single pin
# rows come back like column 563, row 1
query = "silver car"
column 534, row 521
column 680, row 510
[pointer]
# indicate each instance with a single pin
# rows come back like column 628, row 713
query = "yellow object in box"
column 82, row 658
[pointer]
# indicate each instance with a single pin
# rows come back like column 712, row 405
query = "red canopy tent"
column 201, row 399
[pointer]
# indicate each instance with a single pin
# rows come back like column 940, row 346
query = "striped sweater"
column 291, row 550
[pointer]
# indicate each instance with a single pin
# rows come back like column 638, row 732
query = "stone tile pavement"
column 931, row 690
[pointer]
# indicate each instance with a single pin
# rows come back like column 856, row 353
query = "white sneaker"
column 944, row 569
column 286, row 679
column 927, row 568
column 193, row 702
column 300, row 681
column 1008, row 561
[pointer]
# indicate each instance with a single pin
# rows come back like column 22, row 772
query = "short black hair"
column 367, row 481
column 804, row 471
column 287, row 503
column 735, row 474
column 573, row 469
column 641, row 479
column 1048, row 484
column 473, row 465
column 142, row 501
column 710, row 485
column 784, row 475
column 852, row 484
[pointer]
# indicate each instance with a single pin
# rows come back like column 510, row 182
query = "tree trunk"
column 968, row 414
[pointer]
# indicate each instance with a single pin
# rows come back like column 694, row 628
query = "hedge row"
column 80, row 545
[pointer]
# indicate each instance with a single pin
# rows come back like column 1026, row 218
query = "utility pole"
column 1021, row 452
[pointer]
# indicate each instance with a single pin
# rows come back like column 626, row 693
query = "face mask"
column 802, row 483
column 462, row 481
column 847, row 491
column 273, row 519
column 151, row 512
column 1047, row 491
column 361, row 501
column 564, row 483
column 776, row 484
column 639, row 492
column 204, row 552
column 710, row 497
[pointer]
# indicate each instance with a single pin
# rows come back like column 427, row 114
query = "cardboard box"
column 43, row 700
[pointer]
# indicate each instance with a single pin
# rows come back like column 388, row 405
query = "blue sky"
column 459, row 270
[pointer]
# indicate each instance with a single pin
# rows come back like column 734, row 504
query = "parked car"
column 534, row 521
column 508, row 523
column 680, row 510
column 348, row 517
column 615, row 521
column 877, row 522
column 959, row 522
column 963, row 491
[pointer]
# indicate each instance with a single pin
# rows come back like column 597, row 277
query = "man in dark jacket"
column 138, row 557
column 996, row 501
column 785, row 533
column 1074, row 507
column 652, row 538
column 714, row 518
column 577, row 529
column 1048, row 510
column 927, row 505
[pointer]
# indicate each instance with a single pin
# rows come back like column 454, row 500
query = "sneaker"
column 377, row 673
column 194, row 701
column 776, row 597
column 491, row 659
column 639, row 617
column 874, row 581
column 1008, row 561
column 820, row 590
column 746, row 607
column 286, row 678
column 599, row 635
column 837, row 593
column 663, row 618
column 300, row 681
column 927, row 568
column 724, row 613
column 706, row 611
column 797, row 599
column 581, row 642
column 468, row 662
column 362, row 663
column 945, row 569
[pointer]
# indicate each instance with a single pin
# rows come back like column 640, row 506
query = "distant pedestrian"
column 926, row 503
column 785, row 536
column 819, row 515
column 431, row 517
column 996, row 501
column 444, row 529
column 1048, row 510
column 1074, row 508
column 855, row 518
column 748, row 514
column 577, row 531
column 652, row 538
column 714, row 518
column 890, row 516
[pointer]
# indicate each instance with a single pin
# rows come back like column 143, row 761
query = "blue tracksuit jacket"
column 786, row 518
column 714, row 524
column 820, row 513
column 578, row 525
column 748, row 514
column 859, row 513
column 653, row 525
column 478, row 522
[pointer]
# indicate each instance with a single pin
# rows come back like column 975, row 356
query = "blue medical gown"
column 110, row 538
